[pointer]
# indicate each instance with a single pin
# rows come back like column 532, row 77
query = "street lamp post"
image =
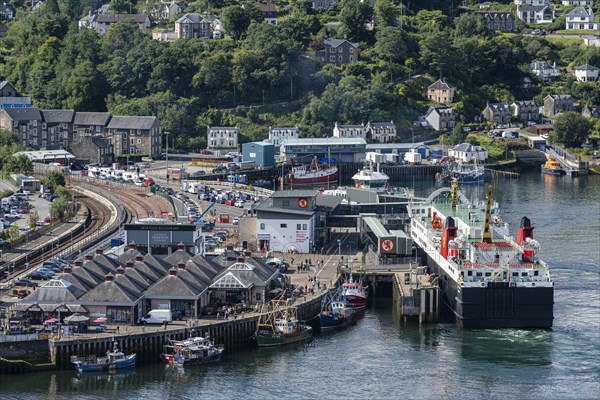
column 167, row 154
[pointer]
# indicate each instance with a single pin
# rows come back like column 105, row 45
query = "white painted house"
column 586, row 73
column 581, row 19
column 583, row 3
column 221, row 137
column 531, row 2
column 349, row 131
column 544, row 71
column 278, row 135
column 467, row 152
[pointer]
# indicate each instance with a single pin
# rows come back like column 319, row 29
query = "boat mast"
column 486, row 237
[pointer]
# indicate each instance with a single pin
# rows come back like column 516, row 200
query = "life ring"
column 532, row 283
column 482, row 284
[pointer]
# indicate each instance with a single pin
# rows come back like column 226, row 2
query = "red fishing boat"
column 355, row 294
column 314, row 174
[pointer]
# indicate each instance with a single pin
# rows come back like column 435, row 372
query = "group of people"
column 307, row 264
column 227, row 312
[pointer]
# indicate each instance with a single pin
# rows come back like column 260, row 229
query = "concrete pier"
column 416, row 296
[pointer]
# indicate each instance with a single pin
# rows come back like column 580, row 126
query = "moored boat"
column 335, row 312
column 197, row 350
column 278, row 325
column 113, row 361
column 314, row 174
column 552, row 167
column 354, row 294
column 488, row 279
column 461, row 172
column 371, row 178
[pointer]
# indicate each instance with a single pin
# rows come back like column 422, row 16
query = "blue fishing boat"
column 335, row 311
column 198, row 350
column 113, row 361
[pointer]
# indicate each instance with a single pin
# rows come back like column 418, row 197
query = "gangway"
column 197, row 220
column 564, row 162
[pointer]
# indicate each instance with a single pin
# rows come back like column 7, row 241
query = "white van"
column 157, row 317
column 510, row 135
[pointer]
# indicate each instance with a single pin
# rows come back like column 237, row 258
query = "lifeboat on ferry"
column 436, row 222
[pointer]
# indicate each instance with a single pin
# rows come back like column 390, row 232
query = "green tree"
column 34, row 218
column 353, row 16
column 122, row 6
column 58, row 207
column 458, row 134
column 385, row 13
column 236, row 19
column 571, row 129
column 54, row 179
column 84, row 88
column 20, row 163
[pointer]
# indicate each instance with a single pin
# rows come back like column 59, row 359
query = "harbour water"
column 384, row 359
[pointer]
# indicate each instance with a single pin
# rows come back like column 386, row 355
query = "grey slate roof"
column 178, row 256
column 196, row 18
column 440, row 110
column 110, row 292
column 91, row 118
column 337, row 42
column 127, row 122
column 327, row 202
column 175, row 286
column 579, row 12
column 295, row 193
column 586, row 67
column 522, row 103
column 100, row 142
column 440, row 84
column 57, row 116
column 24, row 114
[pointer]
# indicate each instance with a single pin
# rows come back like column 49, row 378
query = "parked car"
column 46, row 271
column 25, row 282
column 50, row 219
column 23, row 293
column 235, row 221
column 38, row 276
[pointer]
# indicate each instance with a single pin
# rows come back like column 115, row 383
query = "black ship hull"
column 496, row 305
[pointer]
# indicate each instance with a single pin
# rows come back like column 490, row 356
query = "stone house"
column 278, row 135
column 557, row 103
column 90, row 123
column 169, row 10
column 536, row 14
column 498, row 20
column 338, row 52
column 25, row 122
column 591, row 111
column 544, row 71
column 199, row 26
column 525, row 110
column 440, row 92
column 7, row 11
column 93, row 149
column 135, row 135
column 440, row 118
column 222, row 136
column 57, row 128
column 586, row 73
column 349, row 131
column 382, row 132
column 497, row 112
column 104, row 21
column 581, row 19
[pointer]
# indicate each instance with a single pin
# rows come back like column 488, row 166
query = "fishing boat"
column 371, row 178
column 278, row 325
column 354, row 293
column 313, row 175
column 335, row 312
column 552, row 167
column 461, row 172
column 197, row 350
column 113, row 361
column 487, row 278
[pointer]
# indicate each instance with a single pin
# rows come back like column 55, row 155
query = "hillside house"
column 381, row 132
column 349, row 131
column 466, row 152
column 105, row 21
column 338, row 52
column 557, row 103
column 581, row 18
column 199, row 26
column 525, row 110
column 497, row 112
column 544, row 71
column 222, row 137
column 541, row 14
column 440, row 118
column 586, row 73
column 135, row 135
column 440, row 92
column 278, row 135
column 498, row 20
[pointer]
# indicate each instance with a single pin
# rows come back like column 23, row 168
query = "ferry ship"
column 488, row 279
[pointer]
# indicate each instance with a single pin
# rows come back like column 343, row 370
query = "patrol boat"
column 488, row 279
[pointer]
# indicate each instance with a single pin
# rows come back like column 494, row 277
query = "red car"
column 229, row 202
column 50, row 220
column 23, row 210
column 23, row 293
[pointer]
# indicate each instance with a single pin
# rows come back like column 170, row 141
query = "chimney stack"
column 99, row 251
column 78, row 263
column 181, row 265
column 180, row 246
column 120, row 271
column 173, row 271
column 241, row 259
column 89, row 257
column 132, row 246
column 67, row 270
column 109, row 277
column 139, row 258
column 129, row 264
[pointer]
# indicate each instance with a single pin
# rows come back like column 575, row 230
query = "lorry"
column 157, row 317
column 412, row 157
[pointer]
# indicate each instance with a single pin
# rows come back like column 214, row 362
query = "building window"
column 298, row 227
column 262, row 226
column 283, row 226
column 304, row 226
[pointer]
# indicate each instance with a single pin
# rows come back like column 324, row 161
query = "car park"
column 37, row 276
column 46, row 271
